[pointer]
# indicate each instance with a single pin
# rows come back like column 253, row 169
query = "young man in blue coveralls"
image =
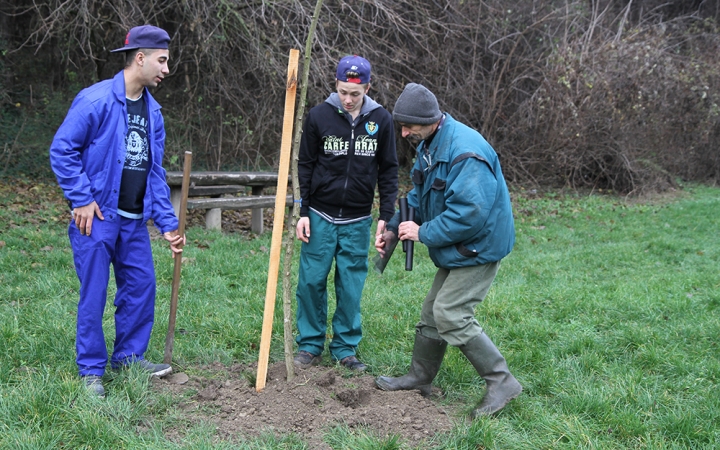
column 347, row 148
column 107, row 156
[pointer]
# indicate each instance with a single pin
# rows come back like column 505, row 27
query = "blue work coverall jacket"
column 88, row 153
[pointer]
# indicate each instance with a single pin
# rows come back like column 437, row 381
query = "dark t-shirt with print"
column 137, row 157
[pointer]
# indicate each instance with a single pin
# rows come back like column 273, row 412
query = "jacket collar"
column 119, row 92
column 437, row 148
column 119, row 86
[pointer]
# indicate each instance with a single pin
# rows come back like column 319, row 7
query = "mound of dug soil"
column 318, row 398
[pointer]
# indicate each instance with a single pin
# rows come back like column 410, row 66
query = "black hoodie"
column 340, row 162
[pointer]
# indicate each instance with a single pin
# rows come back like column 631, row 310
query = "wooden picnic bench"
column 215, row 185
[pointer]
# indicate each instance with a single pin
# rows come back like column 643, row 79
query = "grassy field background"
column 607, row 311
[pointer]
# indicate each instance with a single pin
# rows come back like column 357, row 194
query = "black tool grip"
column 410, row 244
column 403, row 217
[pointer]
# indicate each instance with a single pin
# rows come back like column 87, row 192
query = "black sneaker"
column 155, row 370
column 304, row 359
column 352, row 363
column 93, row 384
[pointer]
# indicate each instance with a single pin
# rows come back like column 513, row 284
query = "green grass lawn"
column 608, row 312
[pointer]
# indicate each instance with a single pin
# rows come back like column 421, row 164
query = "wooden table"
column 216, row 184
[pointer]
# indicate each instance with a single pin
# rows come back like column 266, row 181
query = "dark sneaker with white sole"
column 93, row 384
column 155, row 370
column 304, row 359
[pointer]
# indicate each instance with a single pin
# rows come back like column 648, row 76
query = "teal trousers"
column 347, row 245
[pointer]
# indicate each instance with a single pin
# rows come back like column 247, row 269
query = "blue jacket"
column 460, row 199
column 88, row 153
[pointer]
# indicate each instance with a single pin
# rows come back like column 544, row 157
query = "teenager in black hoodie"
column 347, row 148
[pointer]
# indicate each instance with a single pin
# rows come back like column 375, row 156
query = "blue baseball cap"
column 353, row 63
column 145, row 36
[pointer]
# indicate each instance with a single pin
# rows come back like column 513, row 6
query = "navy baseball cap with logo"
column 145, row 36
column 356, row 64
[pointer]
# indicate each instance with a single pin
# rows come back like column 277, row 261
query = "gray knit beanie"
column 416, row 106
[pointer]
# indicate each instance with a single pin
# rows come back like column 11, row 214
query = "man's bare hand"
column 409, row 231
column 84, row 216
column 380, row 229
column 176, row 241
column 302, row 230
column 383, row 240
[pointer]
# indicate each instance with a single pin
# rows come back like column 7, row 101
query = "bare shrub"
column 611, row 94
column 616, row 110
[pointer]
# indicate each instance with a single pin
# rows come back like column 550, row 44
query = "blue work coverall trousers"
column 124, row 243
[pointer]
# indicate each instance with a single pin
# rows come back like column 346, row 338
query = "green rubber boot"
column 501, row 385
column 426, row 360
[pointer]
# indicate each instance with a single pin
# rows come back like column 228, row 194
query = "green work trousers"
column 448, row 312
column 347, row 244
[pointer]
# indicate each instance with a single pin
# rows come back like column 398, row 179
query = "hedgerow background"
column 604, row 94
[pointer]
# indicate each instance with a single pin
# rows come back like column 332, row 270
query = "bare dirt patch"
column 317, row 399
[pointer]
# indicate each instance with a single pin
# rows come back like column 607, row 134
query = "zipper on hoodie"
column 347, row 167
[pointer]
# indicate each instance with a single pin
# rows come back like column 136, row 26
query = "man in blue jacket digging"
column 463, row 215
column 107, row 156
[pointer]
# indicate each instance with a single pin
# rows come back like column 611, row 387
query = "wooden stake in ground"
column 170, row 338
column 293, row 219
column 280, row 199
